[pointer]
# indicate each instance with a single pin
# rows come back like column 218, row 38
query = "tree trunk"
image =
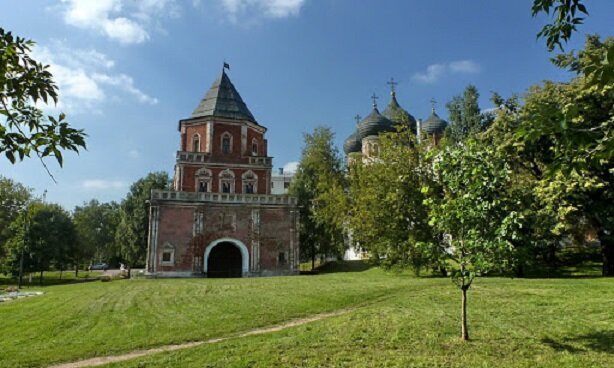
column 40, row 279
column 464, row 330
column 607, row 252
column 61, row 271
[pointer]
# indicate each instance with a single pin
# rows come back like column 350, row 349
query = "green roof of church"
column 397, row 114
column 223, row 100
column 434, row 124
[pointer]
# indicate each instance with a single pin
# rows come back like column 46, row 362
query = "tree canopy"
column 24, row 129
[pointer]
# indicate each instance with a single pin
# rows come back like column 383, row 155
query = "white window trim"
column 194, row 137
column 167, row 248
column 228, row 173
column 224, row 135
column 205, row 175
column 253, row 180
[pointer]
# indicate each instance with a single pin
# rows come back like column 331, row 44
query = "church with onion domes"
column 363, row 144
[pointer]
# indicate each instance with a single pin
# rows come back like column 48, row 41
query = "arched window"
column 227, row 181
column 254, row 147
column 226, row 143
column 250, row 182
column 196, row 143
column 203, row 180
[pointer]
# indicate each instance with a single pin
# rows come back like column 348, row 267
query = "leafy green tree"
column 387, row 216
column 132, row 229
column 566, row 17
column 24, row 129
column 96, row 224
column 46, row 235
column 471, row 206
column 13, row 199
column 465, row 116
column 320, row 188
column 570, row 129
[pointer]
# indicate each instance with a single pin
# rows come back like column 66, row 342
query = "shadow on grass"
column 344, row 266
column 599, row 341
column 50, row 280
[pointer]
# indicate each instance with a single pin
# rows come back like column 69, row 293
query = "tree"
column 319, row 186
column 570, row 129
column 47, row 237
column 24, row 82
column 566, row 18
column 387, row 216
column 13, row 199
column 465, row 116
column 96, row 225
column 132, row 229
column 470, row 205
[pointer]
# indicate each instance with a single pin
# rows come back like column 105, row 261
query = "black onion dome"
column 374, row 124
column 352, row 144
column 398, row 115
column 434, row 124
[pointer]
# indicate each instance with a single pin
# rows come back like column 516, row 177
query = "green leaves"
column 565, row 20
column 23, row 83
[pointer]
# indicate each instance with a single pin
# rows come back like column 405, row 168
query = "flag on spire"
column 226, row 66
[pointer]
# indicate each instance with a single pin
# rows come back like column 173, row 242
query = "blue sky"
column 129, row 70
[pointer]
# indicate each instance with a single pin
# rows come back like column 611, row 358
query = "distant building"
column 280, row 182
column 221, row 219
column 363, row 144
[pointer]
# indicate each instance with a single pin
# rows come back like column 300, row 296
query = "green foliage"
column 387, row 217
column 13, row 199
column 465, row 116
column 24, row 82
column 319, row 186
column 46, row 234
column 565, row 20
column 132, row 229
column 96, row 224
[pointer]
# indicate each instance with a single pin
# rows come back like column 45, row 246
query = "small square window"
column 282, row 258
column 166, row 256
column 286, row 185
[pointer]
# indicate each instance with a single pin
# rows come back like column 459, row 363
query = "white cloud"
column 263, row 8
column 432, row 74
column 101, row 184
column 464, row 66
column 291, row 167
column 435, row 72
column 124, row 21
column 134, row 153
column 84, row 79
column 125, row 83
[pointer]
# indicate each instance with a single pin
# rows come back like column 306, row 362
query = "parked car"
column 99, row 266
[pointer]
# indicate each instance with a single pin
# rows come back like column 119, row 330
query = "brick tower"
column 221, row 220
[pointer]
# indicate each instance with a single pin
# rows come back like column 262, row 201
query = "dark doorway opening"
column 225, row 261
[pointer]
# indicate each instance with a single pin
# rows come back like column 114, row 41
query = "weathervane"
column 433, row 102
column 374, row 98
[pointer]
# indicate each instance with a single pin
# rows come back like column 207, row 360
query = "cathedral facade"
column 220, row 219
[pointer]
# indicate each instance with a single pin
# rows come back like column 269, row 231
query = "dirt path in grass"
column 93, row 362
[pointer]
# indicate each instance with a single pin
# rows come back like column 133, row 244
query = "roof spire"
column 374, row 98
column 392, row 85
column 433, row 102
column 225, row 66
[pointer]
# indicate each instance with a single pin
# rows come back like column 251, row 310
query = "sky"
column 129, row 70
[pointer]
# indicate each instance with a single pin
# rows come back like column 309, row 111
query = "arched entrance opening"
column 226, row 258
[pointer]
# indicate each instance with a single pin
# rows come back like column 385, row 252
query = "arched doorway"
column 226, row 258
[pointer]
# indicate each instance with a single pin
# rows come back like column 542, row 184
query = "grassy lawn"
column 49, row 278
column 401, row 321
column 91, row 319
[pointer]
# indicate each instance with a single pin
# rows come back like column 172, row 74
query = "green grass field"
column 398, row 321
